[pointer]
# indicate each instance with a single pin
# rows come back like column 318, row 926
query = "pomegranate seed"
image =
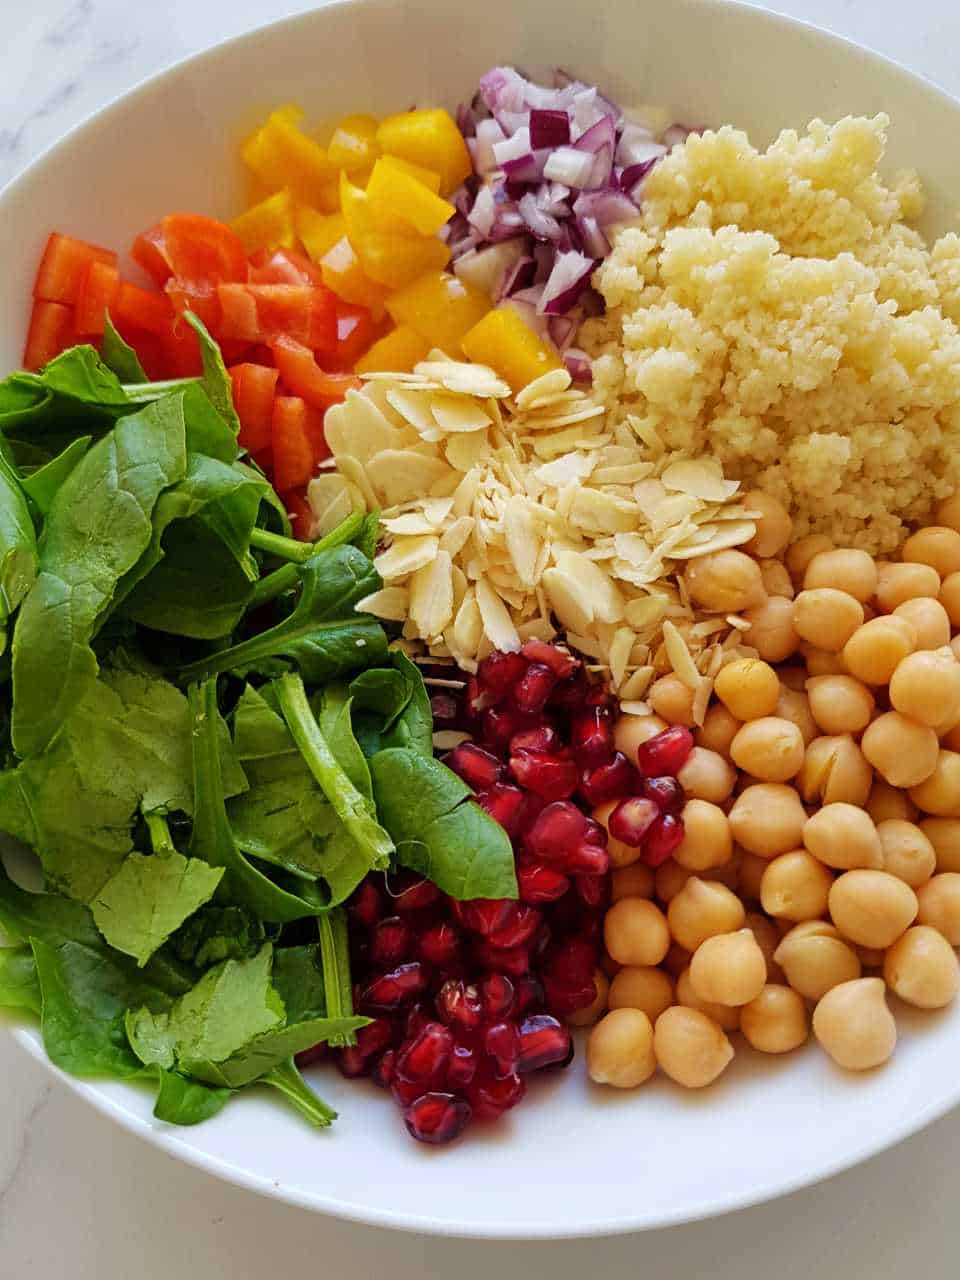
column 533, row 806
column 549, row 776
column 663, row 838
column 475, row 699
column 504, row 804
column 496, row 997
column 632, row 819
column 562, row 1000
column 557, row 829
column 592, row 889
column 595, row 834
column 424, row 1059
column 539, row 883
column 598, row 695
column 499, row 726
column 307, row 1057
column 571, row 694
column 528, row 993
column 405, row 1091
column 490, row 1097
column 366, row 905
column 374, row 1037
column 542, row 737
column 573, row 963
column 444, row 709
column 458, row 1004
column 591, row 736
column 351, row 1062
column 411, row 893
column 416, row 1020
column 486, row 915
column 478, row 768
column 522, row 923
column 499, row 671
column 436, row 1118
column 462, row 1066
column 543, row 1042
column 609, row 781
column 440, row 946
column 501, row 1042
column 397, row 987
column 587, row 859
column 534, row 687
column 384, row 1068
column 666, row 752
column 512, row 960
column 391, row 942
column 665, row 792
column 560, row 661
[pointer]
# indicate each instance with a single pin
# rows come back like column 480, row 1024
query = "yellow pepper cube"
column 318, row 232
column 429, row 138
column 354, row 143
column 396, row 352
column 508, row 345
column 398, row 202
column 428, row 177
column 281, row 155
column 440, row 308
column 396, row 260
column 269, row 224
column 343, row 273
column 355, row 207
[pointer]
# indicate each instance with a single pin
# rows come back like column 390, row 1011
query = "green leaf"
column 19, row 984
column 287, row 1079
column 186, row 1102
column 97, row 529
column 119, row 356
column 335, row 724
column 397, row 701
column 206, row 431
column 19, row 557
column 259, row 731
column 368, row 535
column 43, row 485
column 216, row 381
column 439, row 830
column 218, row 933
column 79, row 374
column 149, row 898
column 298, row 979
column 335, row 962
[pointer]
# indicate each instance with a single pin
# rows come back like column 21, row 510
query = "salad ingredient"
column 635, row 932
column 510, row 347
column 854, row 1025
column 728, row 969
column 620, row 1049
column 815, row 959
column 922, row 968
column 939, row 903
column 776, row 1020
column 690, row 1047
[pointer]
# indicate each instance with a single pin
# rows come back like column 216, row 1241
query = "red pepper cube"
column 293, row 465
column 202, row 250
column 300, row 513
column 202, row 299
column 254, row 389
column 149, row 253
column 63, row 266
column 283, row 266
column 136, row 307
column 301, row 373
column 355, row 333
column 51, row 329
column 95, row 297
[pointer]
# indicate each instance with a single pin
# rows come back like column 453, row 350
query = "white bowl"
column 572, row 1160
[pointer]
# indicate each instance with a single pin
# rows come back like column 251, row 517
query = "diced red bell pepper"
column 301, row 373
column 264, row 312
column 51, row 330
column 234, row 351
column 254, row 388
column 355, row 332
column 141, row 309
column 293, row 464
column 149, row 253
column 181, row 350
column 300, row 513
column 202, row 299
column 283, row 266
column 318, row 441
column 63, row 266
column 95, row 297
column 203, row 250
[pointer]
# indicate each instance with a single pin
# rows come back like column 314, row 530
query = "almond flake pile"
column 503, row 512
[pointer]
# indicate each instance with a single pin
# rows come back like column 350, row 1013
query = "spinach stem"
column 335, row 957
column 292, row 1085
column 160, row 839
column 143, row 392
column 286, row 577
column 275, row 544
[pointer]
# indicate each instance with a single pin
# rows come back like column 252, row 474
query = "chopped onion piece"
column 513, row 147
column 569, row 278
column 542, row 225
column 570, row 166
column 488, row 134
column 487, row 269
column 549, row 128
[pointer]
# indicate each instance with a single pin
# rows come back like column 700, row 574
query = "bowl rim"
column 167, row 1139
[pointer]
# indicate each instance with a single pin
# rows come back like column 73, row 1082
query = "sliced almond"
column 467, row 451
column 524, row 540
column 447, row 739
column 468, row 624
column 732, row 534
column 431, row 596
column 390, row 603
column 355, row 471
column 458, row 414
column 455, row 536
column 410, row 522
column 679, row 655
column 402, row 476
column 566, row 600
column 619, row 654
column 332, row 498
column 548, row 384
column 637, row 684
column 606, row 602
column 701, row 478
column 497, row 622
column 406, row 556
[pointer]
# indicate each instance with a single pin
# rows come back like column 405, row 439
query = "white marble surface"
column 81, row 1198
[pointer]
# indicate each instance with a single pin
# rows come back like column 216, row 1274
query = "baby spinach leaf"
column 206, row 431
column 149, row 897
column 216, row 381
column 298, row 978
column 119, row 357
column 335, row 962
column 383, row 692
column 259, row 731
column 287, row 1079
column 269, row 823
column 18, row 543
column 42, row 485
column 98, row 527
column 19, row 984
column 79, row 374
column 218, row 933
column 438, row 828
column 368, row 535
column 269, row 1051
column 334, row 719
column 186, row 1102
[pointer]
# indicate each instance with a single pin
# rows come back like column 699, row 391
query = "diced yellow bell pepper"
column 281, row 155
column 397, row 261
column 354, row 143
column 428, row 177
column 343, row 274
column 269, row 224
column 507, row 344
column 355, row 207
column 429, row 138
column 318, row 232
column 398, row 202
column 440, row 308
column 396, row 352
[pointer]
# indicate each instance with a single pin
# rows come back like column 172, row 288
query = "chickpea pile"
column 820, row 866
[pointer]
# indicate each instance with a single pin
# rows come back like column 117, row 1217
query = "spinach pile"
column 202, row 742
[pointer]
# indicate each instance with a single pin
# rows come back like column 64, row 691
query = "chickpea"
column 939, row 902
column 929, row 619
column 748, row 688
column 939, row 793
column 826, row 617
column 795, row 886
column 631, row 732
column 635, row 881
column 948, row 512
column 874, row 651
column 821, row 663
column 707, row 776
column 725, row 581
column 886, row 802
column 899, row 582
column 802, row 552
column 772, row 632
column 635, row 932
column 702, row 909
column 776, row 1021
column 690, row 1047
column 722, row 1014
column 751, row 875
column 845, row 569
column 815, row 958
column 728, row 968
column 854, row 1025
column 794, row 705
column 776, row 579
column 727, row 874
column 902, row 751
column 921, row 967
column 936, row 546
column 840, row 704
column 951, row 738
column 835, row 770
column 677, row 959
column 770, row 749
column 955, row 646
column 672, row 700
column 768, row 819
column 768, row 939
column 620, row 1049
column 944, row 835
column 949, row 597
column 872, row 908
column 773, row 522
column 706, row 837
column 843, row 836
column 718, row 730
column 926, row 686
column 646, row 988
column 907, row 853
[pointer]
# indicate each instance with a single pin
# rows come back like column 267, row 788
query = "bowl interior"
column 579, row 1161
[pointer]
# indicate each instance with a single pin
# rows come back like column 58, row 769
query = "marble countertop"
column 80, row 1197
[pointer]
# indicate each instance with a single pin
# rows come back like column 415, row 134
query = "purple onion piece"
column 578, row 365
column 569, row 278
column 549, row 128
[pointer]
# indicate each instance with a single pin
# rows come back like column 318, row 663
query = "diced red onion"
column 595, row 243
column 608, row 207
column 570, row 166
column 487, row 269
column 549, row 128
column 578, row 364
column 513, row 147
column 602, row 170
column 569, row 278
column 543, row 225
column 552, row 197
column 632, row 178
column 520, row 276
column 502, row 87
column 528, row 168
column 599, row 135
column 527, row 312
column 484, row 212
column 637, row 147
column 465, row 121
column 488, row 134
